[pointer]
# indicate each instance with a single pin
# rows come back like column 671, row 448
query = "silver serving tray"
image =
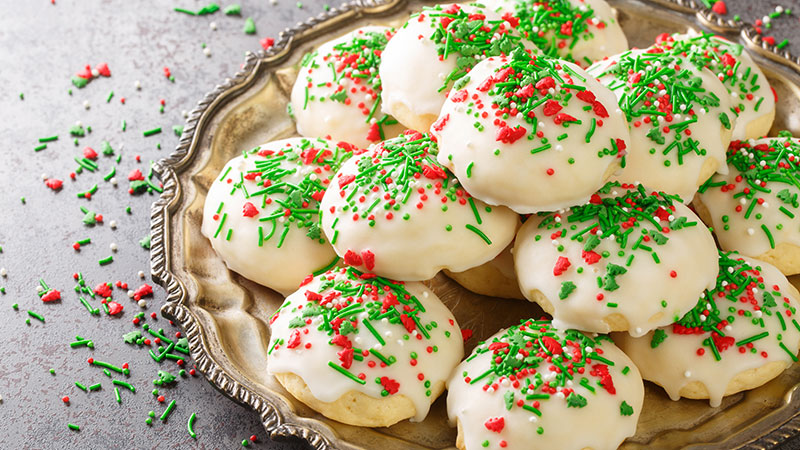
column 225, row 316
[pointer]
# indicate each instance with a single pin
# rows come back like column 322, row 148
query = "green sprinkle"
column 168, row 411
column 48, row 139
column 769, row 235
column 73, row 427
column 231, row 10
column 479, row 233
column 752, row 339
column 190, row 424
column 36, row 316
column 107, row 260
column 346, row 373
column 149, row 133
column 249, row 26
column 40, row 148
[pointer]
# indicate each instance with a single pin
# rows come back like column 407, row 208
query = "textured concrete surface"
column 41, row 46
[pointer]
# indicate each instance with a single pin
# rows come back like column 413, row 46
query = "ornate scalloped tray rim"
column 168, row 168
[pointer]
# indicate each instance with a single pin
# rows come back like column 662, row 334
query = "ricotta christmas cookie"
column 495, row 278
column 679, row 114
column 364, row 350
column 396, row 212
column 753, row 102
column 532, row 133
column 754, row 209
column 740, row 335
column 629, row 260
column 579, row 31
column 433, row 52
column 533, row 386
column 338, row 90
column 262, row 212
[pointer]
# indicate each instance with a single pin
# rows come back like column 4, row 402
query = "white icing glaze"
column 746, row 235
column 747, row 85
column 638, row 293
column 281, row 268
column 677, row 355
column 411, row 69
column 599, row 424
column 314, row 348
column 415, row 235
column 647, row 161
column 601, row 37
column 533, row 170
column 346, row 115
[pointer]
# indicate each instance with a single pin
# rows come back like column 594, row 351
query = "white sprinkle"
column 207, row 51
column 779, row 9
column 141, row 274
column 185, row 113
column 687, row 374
column 138, row 85
column 86, row 104
column 638, row 330
column 39, row 289
column 212, row 25
column 4, row 272
column 560, row 395
column 113, row 247
column 113, row 224
column 142, row 303
column 45, row 176
column 130, row 293
column 113, row 181
column 533, row 418
column 425, row 294
column 750, row 231
column 95, row 73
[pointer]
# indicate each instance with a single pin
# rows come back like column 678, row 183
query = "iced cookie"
column 395, row 211
column 629, row 260
column 532, row 133
column 754, row 209
column 740, row 335
column 579, row 31
column 433, row 52
column 533, row 386
column 338, row 91
column 262, row 212
column 364, row 350
column 679, row 114
column 753, row 101
column 495, row 278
